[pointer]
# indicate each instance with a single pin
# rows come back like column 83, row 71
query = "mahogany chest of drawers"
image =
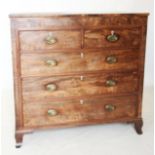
column 72, row 70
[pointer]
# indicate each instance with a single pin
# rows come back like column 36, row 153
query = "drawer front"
column 77, row 86
column 77, row 111
column 66, row 62
column 38, row 40
column 114, row 38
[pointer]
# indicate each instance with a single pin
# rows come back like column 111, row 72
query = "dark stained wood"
column 128, row 38
column 19, row 139
column 17, row 84
column 81, row 70
column 77, row 21
column 35, row 40
column 73, row 111
column 77, row 62
column 28, row 130
column 73, row 86
column 141, row 69
column 138, row 126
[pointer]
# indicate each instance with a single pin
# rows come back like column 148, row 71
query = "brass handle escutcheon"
column 51, row 87
column 51, row 63
column 112, row 37
column 111, row 59
column 110, row 83
column 110, row 107
column 50, row 40
column 52, row 112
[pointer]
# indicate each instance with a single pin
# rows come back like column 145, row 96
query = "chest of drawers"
column 72, row 70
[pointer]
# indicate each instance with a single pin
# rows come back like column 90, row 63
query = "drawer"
column 37, row 40
column 67, row 62
column 113, row 38
column 79, row 110
column 78, row 85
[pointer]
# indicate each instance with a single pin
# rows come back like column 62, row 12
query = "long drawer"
column 77, row 111
column 69, row 62
column 77, row 86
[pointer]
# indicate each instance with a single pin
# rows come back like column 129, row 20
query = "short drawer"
column 76, row 62
column 79, row 110
column 113, row 38
column 38, row 40
column 78, row 85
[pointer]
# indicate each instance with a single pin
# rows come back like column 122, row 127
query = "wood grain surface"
column 35, row 40
column 72, row 111
column 80, row 71
column 128, row 38
column 77, row 62
column 73, row 86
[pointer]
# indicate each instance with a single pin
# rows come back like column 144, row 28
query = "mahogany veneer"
column 72, row 70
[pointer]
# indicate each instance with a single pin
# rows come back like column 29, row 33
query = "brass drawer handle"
column 50, row 40
column 52, row 112
column 112, row 37
column 110, row 83
column 51, row 87
column 51, row 63
column 110, row 107
column 111, row 59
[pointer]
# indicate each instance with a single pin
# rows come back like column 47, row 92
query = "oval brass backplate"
column 110, row 107
column 111, row 59
column 110, row 83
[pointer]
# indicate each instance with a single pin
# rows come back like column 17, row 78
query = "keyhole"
column 81, row 78
column 82, row 55
column 81, row 101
